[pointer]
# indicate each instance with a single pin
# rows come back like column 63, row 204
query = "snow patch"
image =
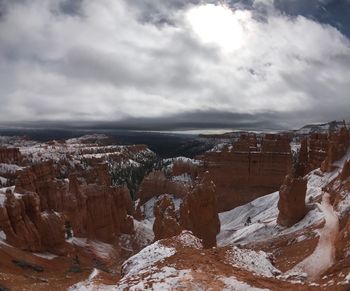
column 2, row 200
column 88, row 285
column 256, row 262
column 146, row 258
column 47, row 256
column 187, row 239
column 232, row 284
column 102, row 250
column 2, row 235
column 184, row 178
column 166, row 278
column 323, row 256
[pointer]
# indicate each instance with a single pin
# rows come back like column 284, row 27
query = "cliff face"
column 318, row 147
column 338, row 146
column 105, row 211
column 248, row 171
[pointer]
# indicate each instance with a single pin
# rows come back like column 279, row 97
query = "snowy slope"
column 263, row 213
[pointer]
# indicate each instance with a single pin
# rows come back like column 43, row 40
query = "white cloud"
column 108, row 64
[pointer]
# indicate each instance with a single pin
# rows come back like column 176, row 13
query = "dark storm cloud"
column 72, row 7
column 173, row 64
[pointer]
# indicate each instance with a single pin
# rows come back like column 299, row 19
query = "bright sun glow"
column 219, row 25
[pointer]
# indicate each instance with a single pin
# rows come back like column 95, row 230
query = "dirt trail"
column 323, row 256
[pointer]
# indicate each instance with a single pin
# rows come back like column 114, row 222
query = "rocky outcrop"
column 156, row 184
column 291, row 204
column 248, row 170
column 41, row 179
column 199, row 212
column 318, row 147
column 19, row 229
column 10, row 156
column 338, row 146
column 166, row 223
column 98, row 211
column 93, row 207
column 345, row 173
column 28, row 228
column 183, row 166
column 302, row 163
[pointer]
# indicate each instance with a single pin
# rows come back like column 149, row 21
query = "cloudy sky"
column 174, row 64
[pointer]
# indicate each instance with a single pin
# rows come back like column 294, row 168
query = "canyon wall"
column 248, row 170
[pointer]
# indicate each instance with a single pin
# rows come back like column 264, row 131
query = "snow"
column 3, row 181
column 148, row 207
column 2, row 200
column 9, row 168
column 2, row 236
column 187, row 239
column 295, row 147
column 102, row 250
column 47, row 256
column 165, row 278
column 263, row 213
column 143, row 235
column 146, row 258
column 323, row 256
column 184, row 178
column 232, row 284
column 250, row 260
column 88, row 285
column 343, row 206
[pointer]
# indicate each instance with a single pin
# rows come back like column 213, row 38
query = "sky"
column 174, row 64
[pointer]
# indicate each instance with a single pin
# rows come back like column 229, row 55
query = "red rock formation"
column 241, row 175
column 10, row 156
column 338, row 146
column 291, row 204
column 165, row 224
column 156, row 184
column 28, row 228
column 41, row 179
column 94, row 208
column 182, row 166
column 345, row 173
column 302, row 166
column 199, row 212
column 97, row 211
column 19, row 229
column 318, row 147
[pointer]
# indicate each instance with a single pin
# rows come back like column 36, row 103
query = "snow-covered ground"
column 100, row 249
column 250, row 260
column 323, row 256
column 263, row 213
